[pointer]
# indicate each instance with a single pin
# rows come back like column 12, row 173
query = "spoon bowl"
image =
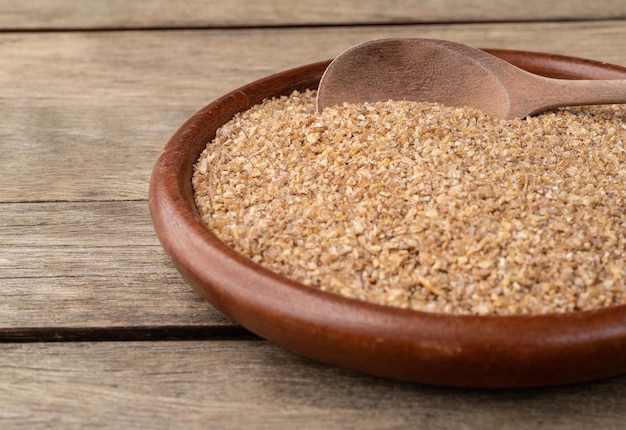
column 453, row 74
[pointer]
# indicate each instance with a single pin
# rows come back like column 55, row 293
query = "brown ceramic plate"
column 470, row 351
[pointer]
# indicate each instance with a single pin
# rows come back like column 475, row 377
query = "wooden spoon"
column 455, row 75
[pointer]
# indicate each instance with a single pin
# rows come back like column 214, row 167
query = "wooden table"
column 97, row 328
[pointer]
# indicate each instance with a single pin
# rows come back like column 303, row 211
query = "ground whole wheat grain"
column 422, row 206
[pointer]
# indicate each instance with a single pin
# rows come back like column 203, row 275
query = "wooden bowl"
column 469, row 351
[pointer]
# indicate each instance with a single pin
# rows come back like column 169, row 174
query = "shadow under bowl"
column 442, row 349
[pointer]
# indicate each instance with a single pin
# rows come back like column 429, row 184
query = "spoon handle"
column 553, row 93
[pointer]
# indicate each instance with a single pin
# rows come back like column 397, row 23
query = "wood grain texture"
column 253, row 384
column 79, row 14
column 86, row 114
column 90, row 264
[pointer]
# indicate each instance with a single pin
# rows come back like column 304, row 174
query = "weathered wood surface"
column 252, row 384
column 81, row 14
column 89, row 264
column 84, row 116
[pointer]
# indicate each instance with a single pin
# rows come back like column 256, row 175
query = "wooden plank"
column 90, row 264
column 79, row 14
column 253, row 384
column 128, row 300
column 84, row 115
column 96, row 224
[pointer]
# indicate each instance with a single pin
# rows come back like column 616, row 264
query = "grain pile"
column 426, row 207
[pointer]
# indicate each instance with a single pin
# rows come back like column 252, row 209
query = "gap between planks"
column 108, row 334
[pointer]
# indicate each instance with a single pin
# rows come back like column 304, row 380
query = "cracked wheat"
column 421, row 206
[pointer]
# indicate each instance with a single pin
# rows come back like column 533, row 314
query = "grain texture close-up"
column 424, row 206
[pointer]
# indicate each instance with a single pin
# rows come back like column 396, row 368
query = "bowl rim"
column 435, row 348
